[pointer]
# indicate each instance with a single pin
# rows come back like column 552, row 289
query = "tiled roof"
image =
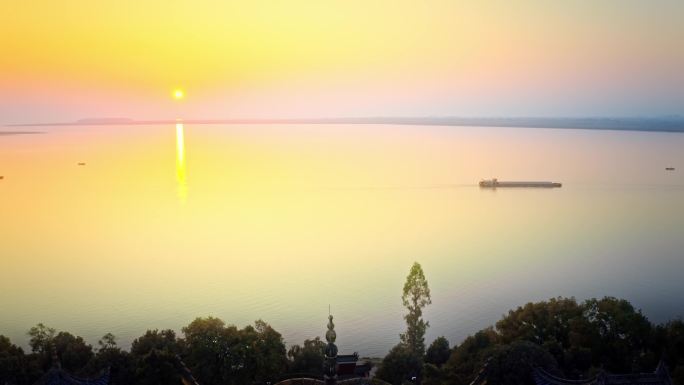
column 347, row 358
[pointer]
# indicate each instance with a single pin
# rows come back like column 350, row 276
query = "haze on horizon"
column 63, row 61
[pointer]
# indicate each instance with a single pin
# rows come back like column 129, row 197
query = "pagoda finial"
column 330, row 335
column 330, row 369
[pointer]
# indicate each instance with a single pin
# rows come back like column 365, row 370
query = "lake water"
column 165, row 223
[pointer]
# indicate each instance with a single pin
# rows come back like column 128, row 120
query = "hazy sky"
column 64, row 60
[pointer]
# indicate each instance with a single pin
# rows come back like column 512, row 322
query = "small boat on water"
column 669, row 168
column 495, row 183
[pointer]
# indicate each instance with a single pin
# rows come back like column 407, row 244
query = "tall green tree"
column 416, row 296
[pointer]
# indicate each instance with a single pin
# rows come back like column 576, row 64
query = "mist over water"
column 165, row 223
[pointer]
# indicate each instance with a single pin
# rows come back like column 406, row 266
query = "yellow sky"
column 313, row 58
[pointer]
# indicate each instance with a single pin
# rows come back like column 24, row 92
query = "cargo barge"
column 495, row 183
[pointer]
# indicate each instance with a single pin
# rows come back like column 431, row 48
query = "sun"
column 178, row 94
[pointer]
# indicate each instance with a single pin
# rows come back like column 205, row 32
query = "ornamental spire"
column 330, row 335
column 330, row 366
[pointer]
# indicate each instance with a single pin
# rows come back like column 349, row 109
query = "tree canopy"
column 416, row 296
column 568, row 338
column 400, row 366
column 438, row 353
column 572, row 339
column 307, row 358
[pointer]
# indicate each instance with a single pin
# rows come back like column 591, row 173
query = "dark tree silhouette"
column 438, row 353
column 400, row 365
column 41, row 338
column 154, row 357
column 307, row 358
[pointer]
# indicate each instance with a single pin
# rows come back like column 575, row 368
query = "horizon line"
column 666, row 123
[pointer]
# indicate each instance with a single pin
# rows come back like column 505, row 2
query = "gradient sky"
column 65, row 60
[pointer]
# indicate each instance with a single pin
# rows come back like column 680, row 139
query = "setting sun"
column 178, row 94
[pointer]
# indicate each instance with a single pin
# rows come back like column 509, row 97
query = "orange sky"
column 74, row 59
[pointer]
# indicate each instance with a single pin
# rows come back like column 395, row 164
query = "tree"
column 512, row 364
column 164, row 340
column 618, row 334
column 154, row 357
column 416, row 296
column 438, row 353
column 12, row 363
column 120, row 362
column 606, row 333
column 541, row 322
column 467, row 359
column 41, row 337
column 308, row 358
column 74, row 353
column 213, row 351
column 670, row 344
column 220, row 354
column 265, row 357
column 107, row 341
column 400, row 365
column 156, row 367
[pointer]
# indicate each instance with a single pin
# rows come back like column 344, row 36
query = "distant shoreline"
column 664, row 124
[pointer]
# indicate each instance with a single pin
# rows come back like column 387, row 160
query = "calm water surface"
column 166, row 223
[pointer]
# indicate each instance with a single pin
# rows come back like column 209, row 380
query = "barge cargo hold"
column 495, row 183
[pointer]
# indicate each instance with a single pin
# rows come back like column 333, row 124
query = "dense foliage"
column 401, row 365
column 438, row 353
column 567, row 338
column 216, row 354
column 561, row 335
column 307, row 358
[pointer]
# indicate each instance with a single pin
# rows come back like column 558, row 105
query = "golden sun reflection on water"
column 180, row 164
